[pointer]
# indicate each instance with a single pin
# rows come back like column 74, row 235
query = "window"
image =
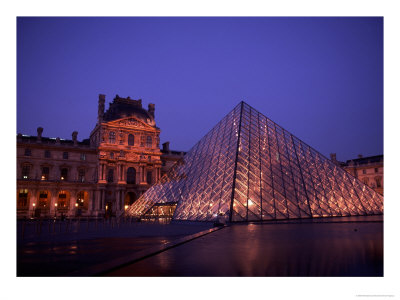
column 376, row 170
column 131, row 140
column 365, row 180
column 28, row 152
column 26, row 169
column 43, row 197
column 131, row 176
column 80, row 199
column 149, row 177
column 22, row 198
column 64, row 174
column 45, row 173
column 47, row 154
column 110, row 175
column 83, row 156
column 364, row 171
column 378, row 182
column 149, row 142
column 65, row 155
column 112, row 155
column 111, row 137
column 81, row 175
column 121, row 153
column 62, row 200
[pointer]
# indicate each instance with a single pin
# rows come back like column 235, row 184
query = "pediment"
column 131, row 122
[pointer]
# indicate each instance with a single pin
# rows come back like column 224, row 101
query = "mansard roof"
column 127, row 107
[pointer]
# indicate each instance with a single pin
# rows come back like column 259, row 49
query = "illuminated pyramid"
column 247, row 168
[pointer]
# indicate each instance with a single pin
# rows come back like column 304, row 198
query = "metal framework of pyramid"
column 248, row 168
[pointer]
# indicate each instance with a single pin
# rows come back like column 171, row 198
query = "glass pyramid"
column 248, row 168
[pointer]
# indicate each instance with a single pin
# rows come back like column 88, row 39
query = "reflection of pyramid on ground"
column 247, row 168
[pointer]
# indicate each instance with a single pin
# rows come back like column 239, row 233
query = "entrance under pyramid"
column 248, row 168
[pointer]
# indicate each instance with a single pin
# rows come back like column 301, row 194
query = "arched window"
column 365, row 180
column 378, row 182
column 82, row 199
column 22, row 198
column 130, row 198
column 111, row 137
column 131, row 140
column 110, row 175
column 149, row 142
column 131, row 176
column 63, row 200
column 149, row 177
column 43, row 199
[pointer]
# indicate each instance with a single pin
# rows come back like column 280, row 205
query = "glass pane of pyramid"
column 248, row 168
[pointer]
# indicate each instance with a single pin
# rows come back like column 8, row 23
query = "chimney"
column 359, row 156
column 165, row 147
column 100, row 113
column 333, row 157
column 39, row 134
column 152, row 108
column 75, row 137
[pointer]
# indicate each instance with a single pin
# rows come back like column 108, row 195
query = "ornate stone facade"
column 96, row 177
column 367, row 169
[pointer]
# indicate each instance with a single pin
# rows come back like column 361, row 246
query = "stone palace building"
column 95, row 177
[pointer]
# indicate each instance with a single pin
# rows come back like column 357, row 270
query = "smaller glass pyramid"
column 247, row 168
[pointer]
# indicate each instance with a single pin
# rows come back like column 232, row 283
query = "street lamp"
column 55, row 210
column 33, row 213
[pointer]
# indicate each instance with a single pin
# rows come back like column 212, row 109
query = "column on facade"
column 32, row 199
column 53, row 201
column 72, row 201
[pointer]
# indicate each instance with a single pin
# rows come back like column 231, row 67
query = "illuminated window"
column 47, row 154
column 26, row 169
column 45, row 173
column 149, row 177
column 64, row 174
column 62, row 200
column 149, row 142
column 111, row 137
column 22, row 198
column 83, row 156
column 110, row 175
column 28, row 152
column 80, row 199
column 43, row 199
column 65, row 155
column 131, row 140
column 131, row 176
column 81, row 175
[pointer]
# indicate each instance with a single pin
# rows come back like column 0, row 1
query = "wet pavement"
column 292, row 249
column 51, row 248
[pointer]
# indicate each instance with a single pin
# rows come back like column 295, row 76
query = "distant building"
column 367, row 169
column 94, row 177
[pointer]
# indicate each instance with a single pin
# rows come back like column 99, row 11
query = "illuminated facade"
column 248, row 168
column 369, row 170
column 99, row 176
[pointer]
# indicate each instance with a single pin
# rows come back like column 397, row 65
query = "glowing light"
column 76, row 204
column 62, row 178
column 25, row 177
column 43, row 177
column 33, row 204
column 126, row 207
column 55, row 204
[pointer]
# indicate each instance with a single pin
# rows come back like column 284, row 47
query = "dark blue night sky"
column 319, row 78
